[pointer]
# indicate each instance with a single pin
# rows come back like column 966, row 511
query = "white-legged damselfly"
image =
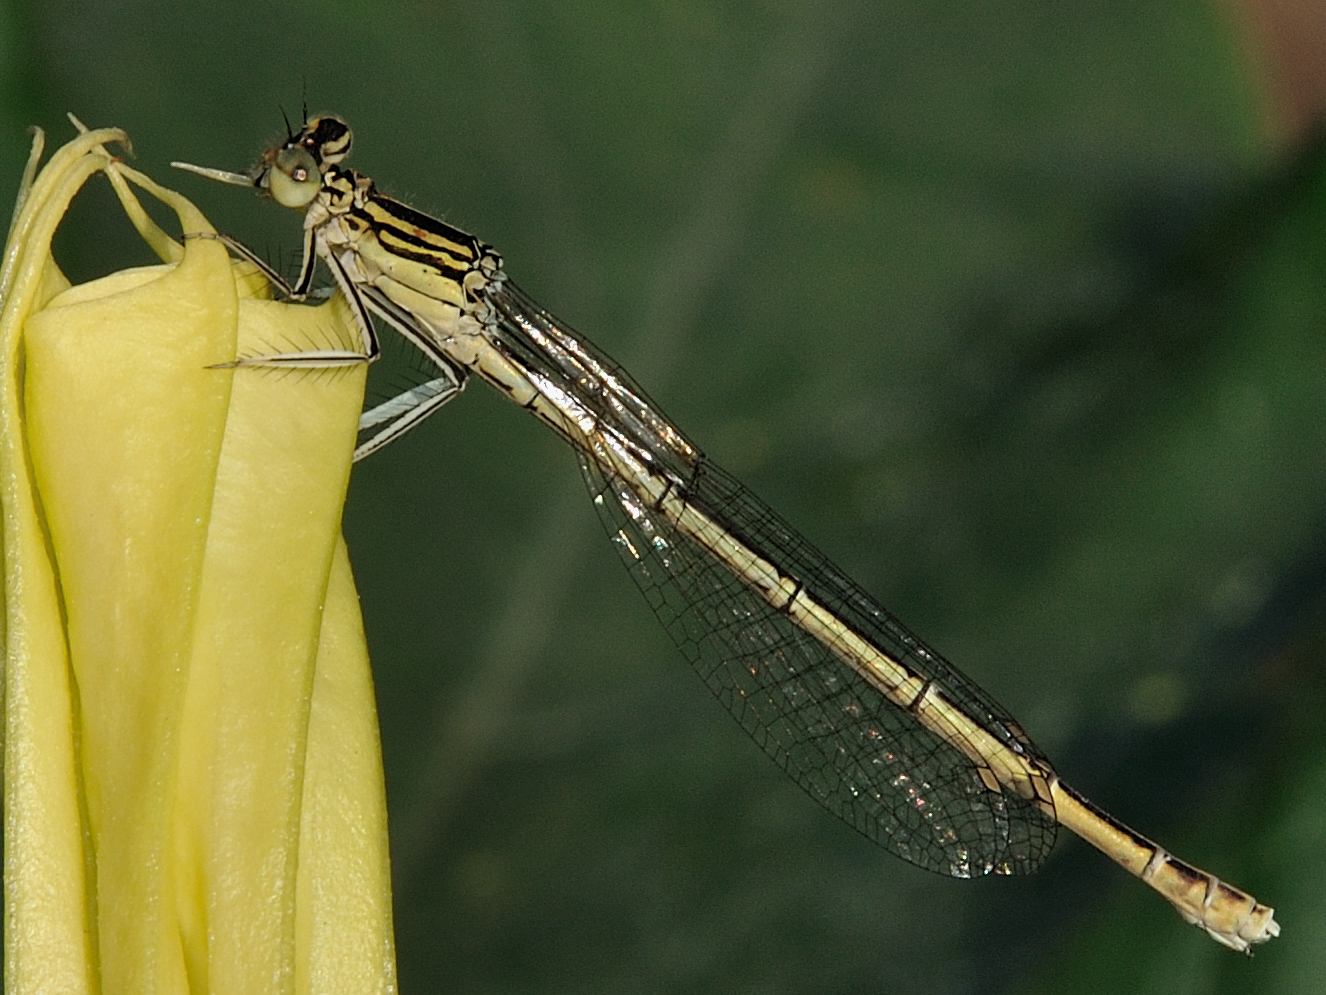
column 871, row 722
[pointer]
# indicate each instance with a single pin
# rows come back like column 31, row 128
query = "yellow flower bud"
column 192, row 780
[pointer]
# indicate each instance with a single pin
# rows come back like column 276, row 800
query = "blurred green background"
column 1017, row 309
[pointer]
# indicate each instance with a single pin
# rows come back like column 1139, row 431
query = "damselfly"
column 872, row 723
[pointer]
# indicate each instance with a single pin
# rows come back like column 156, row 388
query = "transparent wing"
column 861, row 756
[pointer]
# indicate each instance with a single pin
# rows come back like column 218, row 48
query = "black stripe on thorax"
column 440, row 258
column 421, row 230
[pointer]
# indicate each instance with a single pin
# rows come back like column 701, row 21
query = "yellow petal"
column 193, row 788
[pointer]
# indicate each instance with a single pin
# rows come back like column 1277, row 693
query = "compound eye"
column 293, row 179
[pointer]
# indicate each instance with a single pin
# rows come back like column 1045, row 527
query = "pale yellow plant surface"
column 192, row 779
